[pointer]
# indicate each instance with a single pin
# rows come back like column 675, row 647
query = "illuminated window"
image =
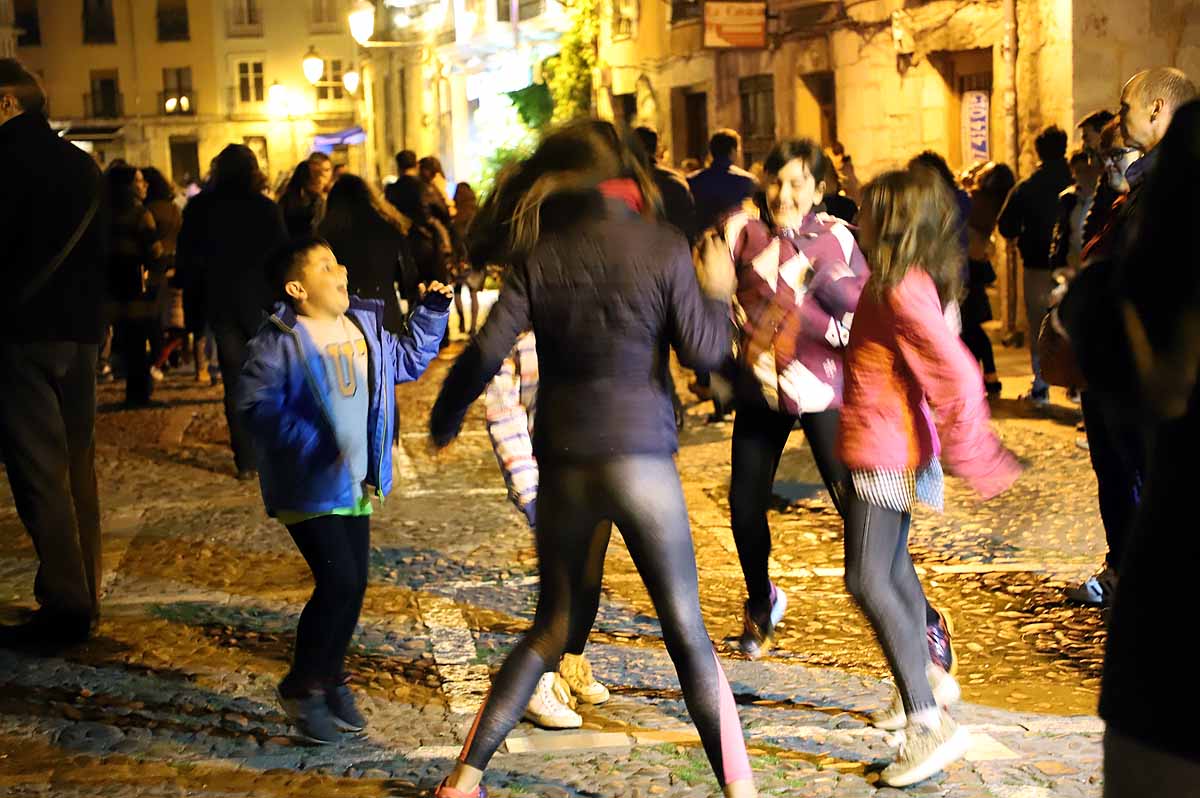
column 177, row 96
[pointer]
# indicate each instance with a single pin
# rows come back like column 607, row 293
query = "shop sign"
column 976, row 116
column 735, row 25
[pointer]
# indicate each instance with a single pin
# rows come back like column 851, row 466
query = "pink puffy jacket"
column 906, row 371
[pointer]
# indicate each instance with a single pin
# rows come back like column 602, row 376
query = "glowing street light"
column 314, row 65
column 362, row 21
column 351, row 80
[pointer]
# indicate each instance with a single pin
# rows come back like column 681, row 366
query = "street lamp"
column 362, row 21
column 351, row 80
column 314, row 65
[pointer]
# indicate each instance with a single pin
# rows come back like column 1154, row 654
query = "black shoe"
column 314, row 722
column 47, row 633
column 340, row 700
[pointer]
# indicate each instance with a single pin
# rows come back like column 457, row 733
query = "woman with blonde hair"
column 912, row 393
column 608, row 290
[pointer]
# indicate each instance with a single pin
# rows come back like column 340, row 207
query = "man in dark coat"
column 54, row 253
column 1029, row 216
column 722, row 186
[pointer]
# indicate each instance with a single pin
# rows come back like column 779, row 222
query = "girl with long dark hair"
column 134, row 248
column 369, row 238
column 303, row 200
column 608, row 291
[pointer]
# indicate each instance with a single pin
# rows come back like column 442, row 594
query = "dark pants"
column 643, row 497
column 1133, row 769
column 131, row 338
column 336, row 549
column 47, row 435
column 759, row 437
column 231, row 353
column 1116, row 447
column 977, row 341
column 881, row 578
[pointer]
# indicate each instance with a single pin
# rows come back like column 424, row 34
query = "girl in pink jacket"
column 911, row 394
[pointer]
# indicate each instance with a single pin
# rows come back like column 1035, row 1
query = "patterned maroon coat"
column 797, row 291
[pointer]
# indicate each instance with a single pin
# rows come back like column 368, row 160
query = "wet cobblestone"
column 176, row 695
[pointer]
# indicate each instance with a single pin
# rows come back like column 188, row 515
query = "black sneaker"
column 941, row 651
column 314, row 722
column 340, row 701
column 756, row 637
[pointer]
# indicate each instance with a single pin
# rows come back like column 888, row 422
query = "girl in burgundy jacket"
column 911, row 393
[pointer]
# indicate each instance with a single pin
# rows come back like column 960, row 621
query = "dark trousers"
column 759, row 437
column 131, row 338
column 47, row 436
column 231, row 353
column 335, row 548
column 1118, row 458
column 980, row 345
column 643, row 497
column 881, row 578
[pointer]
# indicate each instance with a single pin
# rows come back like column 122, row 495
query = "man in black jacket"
column 1029, row 216
column 678, row 206
column 54, row 252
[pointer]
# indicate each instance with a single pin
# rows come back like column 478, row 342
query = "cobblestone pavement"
column 176, row 696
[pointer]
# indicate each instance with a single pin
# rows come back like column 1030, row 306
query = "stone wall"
column 1116, row 38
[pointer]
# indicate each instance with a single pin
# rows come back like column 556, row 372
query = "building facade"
column 170, row 83
column 886, row 79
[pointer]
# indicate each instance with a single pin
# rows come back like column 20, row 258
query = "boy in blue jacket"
column 317, row 395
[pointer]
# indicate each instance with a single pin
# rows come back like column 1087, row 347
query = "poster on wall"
column 730, row 25
column 976, row 116
column 258, row 146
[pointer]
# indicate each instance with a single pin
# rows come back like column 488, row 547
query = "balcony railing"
column 526, row 9
column 173, row 25
column 104, row 105
column 685, row 10
column 177, row 102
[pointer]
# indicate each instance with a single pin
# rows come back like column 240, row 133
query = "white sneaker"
column 576, row 671
column 926, row 750
column 946, row 692
column 548, row 707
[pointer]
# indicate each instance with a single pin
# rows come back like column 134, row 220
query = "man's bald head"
column 1148, row 103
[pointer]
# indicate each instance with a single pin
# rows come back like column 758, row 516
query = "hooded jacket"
column 284, row 389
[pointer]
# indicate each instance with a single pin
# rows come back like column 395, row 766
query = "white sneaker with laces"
column 946, row 692
column 1098, row 590
column 548, row 707
column 926, row 750
column 576, row 671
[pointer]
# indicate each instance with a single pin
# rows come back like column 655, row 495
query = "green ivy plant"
column 569, row 74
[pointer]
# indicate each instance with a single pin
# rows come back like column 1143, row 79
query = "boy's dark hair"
column 1096, row 119
column 724, row 144
column 405, row 160
column 18, row 81
column 1079, row 156
column 287, row 262
column 931, row 160
column 1051, row 144
column 648, row 139
column 806, row 150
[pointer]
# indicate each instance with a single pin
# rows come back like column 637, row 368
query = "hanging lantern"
column 314, row 65
column 351, row 80
column 362, row 21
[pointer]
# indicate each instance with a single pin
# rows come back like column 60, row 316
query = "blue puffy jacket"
column 283, row 392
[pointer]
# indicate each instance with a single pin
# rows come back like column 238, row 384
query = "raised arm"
column 482, row 358
column 411, row 354
column 950, row 380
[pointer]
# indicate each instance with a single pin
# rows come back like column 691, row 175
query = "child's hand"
column 436, row 288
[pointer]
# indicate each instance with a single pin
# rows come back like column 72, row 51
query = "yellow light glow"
column 351, row 80
column 184, row 104
column 277, row 100
column 362, row 21
column 314, row 65
column 171, row 104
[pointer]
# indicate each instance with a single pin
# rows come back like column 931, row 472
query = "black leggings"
column 759, row 436
column 336, row 549
column 642, row 495
column 881, row 578
column 980, row 345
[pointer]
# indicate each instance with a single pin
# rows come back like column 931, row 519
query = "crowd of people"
column 800, row 297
